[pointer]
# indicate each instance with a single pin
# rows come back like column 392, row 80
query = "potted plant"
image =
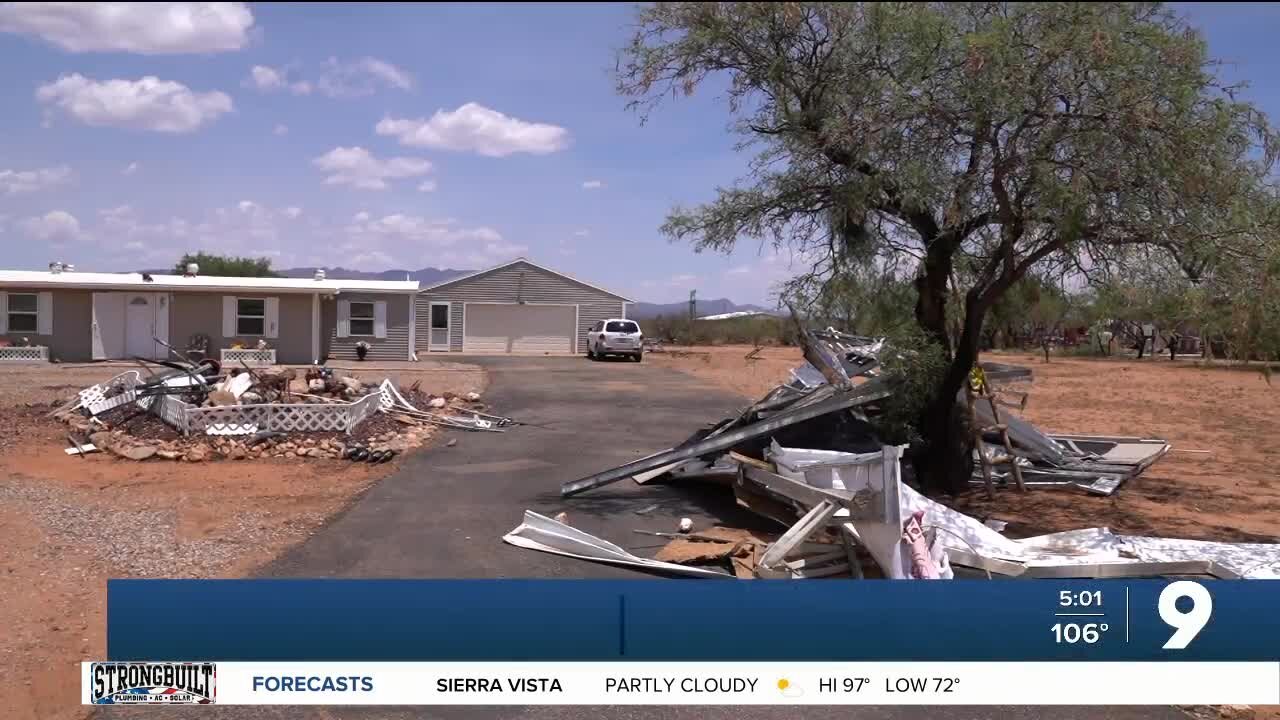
column 362, row 349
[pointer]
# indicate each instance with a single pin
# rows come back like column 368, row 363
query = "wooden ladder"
column 976, row 390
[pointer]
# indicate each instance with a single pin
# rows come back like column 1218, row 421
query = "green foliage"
column 226, row 266
column 966, row 145
column 758, row 330
column 914, row 365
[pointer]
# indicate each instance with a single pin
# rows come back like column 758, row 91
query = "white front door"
column 140, row 325
column 439, row 338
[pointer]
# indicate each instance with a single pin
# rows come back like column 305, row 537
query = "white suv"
column 615, row 337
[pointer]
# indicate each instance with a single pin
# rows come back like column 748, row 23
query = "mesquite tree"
column 927, row 137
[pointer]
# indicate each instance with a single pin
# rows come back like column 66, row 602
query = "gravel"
column 137, row 543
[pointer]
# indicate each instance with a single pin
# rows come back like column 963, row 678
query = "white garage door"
column 519, row 328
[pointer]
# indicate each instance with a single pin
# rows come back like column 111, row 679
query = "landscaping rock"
column 290, row 454
column 238, row 453
column 101, row 440
column 168, row 454
column 196, row 454
column 133, row 452
column 473, row 397
column 452, row 442
column 437, row 403
column 351, row 384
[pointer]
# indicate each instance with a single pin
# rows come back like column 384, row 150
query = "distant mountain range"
column 425, row 276
column 642, row 310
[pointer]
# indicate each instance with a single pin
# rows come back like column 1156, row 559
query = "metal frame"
column 847, row 398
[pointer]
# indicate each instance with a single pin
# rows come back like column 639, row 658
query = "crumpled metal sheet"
column 539, row 532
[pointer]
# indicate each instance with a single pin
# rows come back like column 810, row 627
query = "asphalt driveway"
column 444, row 512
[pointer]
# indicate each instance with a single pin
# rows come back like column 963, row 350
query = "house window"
column 251, row 316
column 362, row 318
column 23, row 312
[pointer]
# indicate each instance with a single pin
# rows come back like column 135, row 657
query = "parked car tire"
column 591, row 354
column 639, row 356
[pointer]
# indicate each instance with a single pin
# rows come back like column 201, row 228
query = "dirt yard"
column 1230, row 493
column 69, row 523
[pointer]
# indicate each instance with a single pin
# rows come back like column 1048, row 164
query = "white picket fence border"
column 15, row 354
column 252, row 357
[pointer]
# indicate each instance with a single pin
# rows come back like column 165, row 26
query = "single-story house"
column 81, row 316
column 516, row 307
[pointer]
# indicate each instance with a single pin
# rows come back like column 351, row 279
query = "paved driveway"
column 444, row 512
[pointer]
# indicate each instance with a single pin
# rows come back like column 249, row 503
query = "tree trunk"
column 931, row 296
column 945, row 462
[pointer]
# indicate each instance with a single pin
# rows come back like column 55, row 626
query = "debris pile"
column 807, row 456
column 260, row 413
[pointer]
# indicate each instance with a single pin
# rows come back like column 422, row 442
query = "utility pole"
column 693, row 313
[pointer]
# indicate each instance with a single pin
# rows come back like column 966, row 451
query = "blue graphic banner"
column 424, row 620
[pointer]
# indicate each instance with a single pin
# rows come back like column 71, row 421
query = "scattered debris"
column 191, row 412
column 807, row 456
column 539, row 532
column 646, row 510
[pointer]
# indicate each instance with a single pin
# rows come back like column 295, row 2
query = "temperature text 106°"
column 1073, row 633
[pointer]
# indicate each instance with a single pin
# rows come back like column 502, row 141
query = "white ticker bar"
column 721, row 683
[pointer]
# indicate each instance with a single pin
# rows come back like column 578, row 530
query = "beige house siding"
column 192, row 313
column 395, row 346
column 72, row 317
column 514, row 283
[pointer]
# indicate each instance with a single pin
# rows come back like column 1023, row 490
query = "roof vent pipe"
column 192, row 269
column 319, row 273
column 69, row 268
column 55, row 268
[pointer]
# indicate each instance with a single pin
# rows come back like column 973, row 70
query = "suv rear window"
column 622, row 327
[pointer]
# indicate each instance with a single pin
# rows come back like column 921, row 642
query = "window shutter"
column 380, row 319
column 344, row 318
column 44, row 313
column 272, row 311
column 4, row 313
column 228, row 316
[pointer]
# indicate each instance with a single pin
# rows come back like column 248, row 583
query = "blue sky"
column 379, row 136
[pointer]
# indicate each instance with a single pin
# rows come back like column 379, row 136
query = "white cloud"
column 56, row 226
column 410, row 239
column 20, row 181
column 357, row 167
column 156, row 28
column 739, row 270
column 581, row 233
column 475, row 128
column 592, row 185
column 281, row 129
column 269, row 79
column 682, row 279
column 146, row 104
column 130, row 169
column 293, row 212
column 427, row 186
column 566, row 248
column 361, row 77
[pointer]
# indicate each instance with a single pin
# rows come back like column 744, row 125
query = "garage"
column 516, row 307
column 519, row 328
